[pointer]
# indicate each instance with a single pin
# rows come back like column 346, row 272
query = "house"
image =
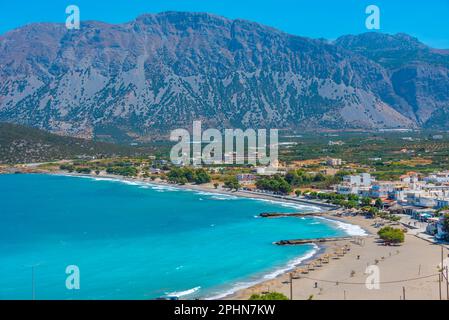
column 356, row 184
column 419, row 213
column 159, row 163
column 333, row 162
column 336, row 143
column 246, row 178
column 440, row 177
column 155, row 171
column 441, row 233
column 441, row 203
column 362, row 180
column 382, row 189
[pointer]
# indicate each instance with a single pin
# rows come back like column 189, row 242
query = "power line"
column 364, row 283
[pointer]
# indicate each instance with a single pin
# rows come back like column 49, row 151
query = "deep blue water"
column 136, row 241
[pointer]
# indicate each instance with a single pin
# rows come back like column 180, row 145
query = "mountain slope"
column 163, row 71
column 19, row 144
column 419, row 74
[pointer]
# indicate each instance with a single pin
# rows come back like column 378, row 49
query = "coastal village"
column 406, row 219
column 417, row 201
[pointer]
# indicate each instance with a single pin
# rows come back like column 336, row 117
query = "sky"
column 428, row 20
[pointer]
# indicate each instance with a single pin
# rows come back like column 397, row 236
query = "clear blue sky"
column 426, row 19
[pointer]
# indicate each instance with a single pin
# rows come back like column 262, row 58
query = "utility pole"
column 403, row 292
column 442, row 269
column 291, row 286
column 439, row 283
column 447, row 283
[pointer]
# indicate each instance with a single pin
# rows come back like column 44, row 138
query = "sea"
column 66, row 237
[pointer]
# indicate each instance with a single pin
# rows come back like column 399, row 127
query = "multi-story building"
column 440, row 178
column 382, row 189
column 356, row 184
column 334, row 162
column 246, row 178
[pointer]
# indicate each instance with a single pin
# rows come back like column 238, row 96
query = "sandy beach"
column 411, row 267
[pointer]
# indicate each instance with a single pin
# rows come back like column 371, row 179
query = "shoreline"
column 318, row 251
column 411, row 266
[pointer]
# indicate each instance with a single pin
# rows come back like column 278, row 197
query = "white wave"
column 290, row 265
column 297, row 206
column 293, row 263
column 224, row 197
column 102, row 179
column 205, row 193
column 349, row 229
column 162, row 188
column 131, row 183
column 183, row 293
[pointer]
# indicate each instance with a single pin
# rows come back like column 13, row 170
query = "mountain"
column 163, row 71
column 19, row 144
column 419, row 74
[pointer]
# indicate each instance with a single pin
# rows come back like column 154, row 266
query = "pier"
column 306, row 241
column 293, row 214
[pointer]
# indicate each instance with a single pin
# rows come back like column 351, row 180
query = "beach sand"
column 345, row 278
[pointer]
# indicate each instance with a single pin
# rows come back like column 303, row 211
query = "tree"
column 298, row 193
column 391, row 235
column 438, row 212
column 201, row 177
column 269, row 296
column 366, row 201
column 216, row 185
column 379, row 203
column 353, row 197
column 232, row 183
column 351, row 204
column 126, row 171
column 67, row 167
column 319, row 177
column 372, row 212
column 84, row 170
column 186, row 175
column 274, row 184
column 446, row 225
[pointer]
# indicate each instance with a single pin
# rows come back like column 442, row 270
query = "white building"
column 246, row 178
column 361, row 180
column 382, row 189
column 356, row 184
column 333, row 162
column 440, row 177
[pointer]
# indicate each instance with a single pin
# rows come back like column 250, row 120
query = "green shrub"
column 269, row 296
column 391, row 235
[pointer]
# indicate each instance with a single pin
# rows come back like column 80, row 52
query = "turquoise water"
column 137, row 241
